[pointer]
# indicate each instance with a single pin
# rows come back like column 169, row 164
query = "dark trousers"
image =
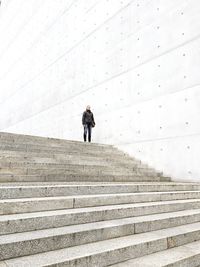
column 87, row 130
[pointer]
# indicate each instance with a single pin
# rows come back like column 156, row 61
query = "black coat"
column 88, row 118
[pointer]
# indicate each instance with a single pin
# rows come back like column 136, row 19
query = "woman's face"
column 88, row 107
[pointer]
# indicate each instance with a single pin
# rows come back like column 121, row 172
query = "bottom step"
column 112, row 251
column 183, row 256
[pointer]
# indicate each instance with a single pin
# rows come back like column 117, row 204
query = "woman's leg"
column 89, row 132
column 85, row 132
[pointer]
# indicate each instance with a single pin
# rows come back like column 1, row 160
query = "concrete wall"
column 137, row 63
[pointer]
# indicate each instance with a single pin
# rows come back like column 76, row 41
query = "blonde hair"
column 88, row 107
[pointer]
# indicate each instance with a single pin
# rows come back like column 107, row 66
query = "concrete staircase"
column 37, row 159
column 65, row 203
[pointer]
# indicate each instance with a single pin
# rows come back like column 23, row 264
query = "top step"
column 11, row 138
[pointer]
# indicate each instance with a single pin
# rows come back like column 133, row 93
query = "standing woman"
column 88, row 122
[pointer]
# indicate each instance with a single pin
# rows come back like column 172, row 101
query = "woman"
column 88, row 122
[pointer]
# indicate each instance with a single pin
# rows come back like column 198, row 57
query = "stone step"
column 121, row 162
column 19, row 138
column 5, row 177
column 112, row 251
column 69, row 155
column 28, row 243
column 63, row 157
column 9, row 167
column 187, row 255
column 16, row 223
column 57, row 164
column 49, row 142
column 60, row 144
column 26, row 190
column 73, row 168
column 73, row 164
column 6, row 161
column 74, row 175
column 24, row 167
column 69, row 159
column 13, row 206
column 53, row 163
column 58, row 150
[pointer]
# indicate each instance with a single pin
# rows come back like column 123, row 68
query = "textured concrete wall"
column 137, row 63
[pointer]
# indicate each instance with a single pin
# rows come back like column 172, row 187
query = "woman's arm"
column 83, row 118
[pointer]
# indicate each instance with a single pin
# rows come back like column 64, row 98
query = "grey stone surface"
column 182, row 256
column 104, row 253
column 25, row 156
column 72, row 177
column 50, row 189
column 65, row 203
column 12, row 206
column 47, row 219
column 56, row 238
